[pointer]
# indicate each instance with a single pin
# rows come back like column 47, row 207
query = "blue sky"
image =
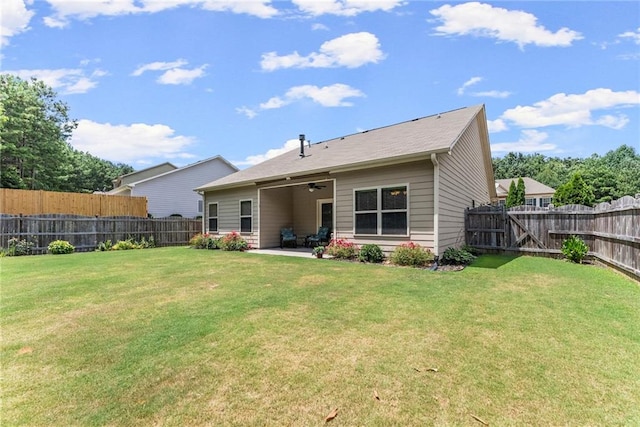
column 151, row 81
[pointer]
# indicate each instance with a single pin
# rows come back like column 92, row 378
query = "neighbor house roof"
column 411, row 140
column 130, row 185
column 531, row 187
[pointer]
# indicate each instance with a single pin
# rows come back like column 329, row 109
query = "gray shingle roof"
column 531, row 187
column 395, row 143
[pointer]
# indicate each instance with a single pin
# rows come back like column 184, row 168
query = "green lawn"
column 178, row 337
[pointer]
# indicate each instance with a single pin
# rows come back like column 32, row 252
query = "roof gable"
column 410, row 140
column 531, row 186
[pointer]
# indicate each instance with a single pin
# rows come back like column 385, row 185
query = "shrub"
column 146, row 244
column 574, row 249
column 370, row 253
column 204, row 241
column 18, row 247
column 233, row 242
column 453, row 256
column 411, row 254
column 470, row 249
column 342, row 249
column 59, row 247
column 124, row 245
column 104, row 246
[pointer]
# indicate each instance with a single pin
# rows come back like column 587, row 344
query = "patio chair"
column 323, row 236
column 287, row 236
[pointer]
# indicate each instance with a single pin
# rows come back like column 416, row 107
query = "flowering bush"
column 342, row 249
column 58, row 247
column 233, row 242
column 411, row 254
column 204, row 241
column 17, row 247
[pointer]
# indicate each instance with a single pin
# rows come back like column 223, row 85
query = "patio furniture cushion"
column 287, row 236
column 323, row 236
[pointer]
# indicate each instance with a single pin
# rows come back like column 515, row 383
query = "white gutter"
column 436, row 202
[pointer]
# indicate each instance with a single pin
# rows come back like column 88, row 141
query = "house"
column 169, row 190
column 535, row 193
column 142, row 174
column 406, row 182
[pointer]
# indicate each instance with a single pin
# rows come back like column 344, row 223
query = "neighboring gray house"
column 149, row 172
column 407, row 182
column 170, row 192
column 535, row 193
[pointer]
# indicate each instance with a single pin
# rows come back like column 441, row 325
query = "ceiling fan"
column 313, row 186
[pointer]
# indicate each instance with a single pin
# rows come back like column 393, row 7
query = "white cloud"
column 173, row 74
column 64, row 10
column 65, row 80
column 250, row 113
column 484, row 94
column 345, row 7
column 351, row 51
column 531, row 141
column 15, row 19
column 472, row 81
column 574, row 110
column 634, row 36
column 130, row 143
column 274, row 152
column 480, row 19
column 327, row 96
column 261, row 9
column 181, row 76
column 319, row 27
column 159, row 66
column 497, row 125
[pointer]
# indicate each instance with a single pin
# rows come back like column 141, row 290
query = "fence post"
column 506, row 240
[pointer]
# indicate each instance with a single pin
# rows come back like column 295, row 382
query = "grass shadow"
column 492, row 261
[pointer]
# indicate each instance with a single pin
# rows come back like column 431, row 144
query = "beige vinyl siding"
column 229, row 211
column 463, row 180
column 418, row 176
column 276, row 205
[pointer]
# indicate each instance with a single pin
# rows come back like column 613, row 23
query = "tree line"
column 35, row 153
column 595, row 179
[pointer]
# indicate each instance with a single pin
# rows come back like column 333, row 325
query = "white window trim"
column 217, row 217
column 379, row 210
column 240, row 216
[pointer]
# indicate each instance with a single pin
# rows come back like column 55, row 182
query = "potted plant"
column 318, row 251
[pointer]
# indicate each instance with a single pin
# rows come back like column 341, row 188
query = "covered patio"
column 303, row 206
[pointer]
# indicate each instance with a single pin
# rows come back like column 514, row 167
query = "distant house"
column 169, row 189
column 406, row 182
column 536, row 193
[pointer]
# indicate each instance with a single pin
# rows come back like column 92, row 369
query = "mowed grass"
column 177, row 337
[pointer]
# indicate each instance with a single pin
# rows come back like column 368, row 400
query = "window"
column 200, row 205
column 246, row 217
column 213, row 217
column 529, row 202
column 381, row 211
column 545, row 202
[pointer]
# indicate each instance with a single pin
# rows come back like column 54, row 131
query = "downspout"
column 436, row 202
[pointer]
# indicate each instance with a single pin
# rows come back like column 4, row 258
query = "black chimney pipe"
column 301, row 137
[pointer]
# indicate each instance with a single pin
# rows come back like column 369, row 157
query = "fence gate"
column 611, row 230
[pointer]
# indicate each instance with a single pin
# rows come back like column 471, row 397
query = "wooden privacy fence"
column 612, row 230
column 85, row 233
column 36, row 202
